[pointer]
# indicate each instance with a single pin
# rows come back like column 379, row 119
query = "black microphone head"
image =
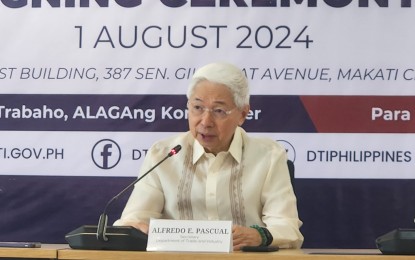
column 175, row 150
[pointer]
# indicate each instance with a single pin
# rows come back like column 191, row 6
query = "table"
column 283, row 254
column 62, row 251
column 46, row 251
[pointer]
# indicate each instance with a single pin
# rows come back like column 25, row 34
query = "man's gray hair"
column 225, row 74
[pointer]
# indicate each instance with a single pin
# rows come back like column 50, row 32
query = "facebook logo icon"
column 106, row 154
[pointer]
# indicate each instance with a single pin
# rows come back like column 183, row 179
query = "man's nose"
column 207, row 118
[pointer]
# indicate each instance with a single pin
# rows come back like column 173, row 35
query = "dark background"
column 337, row 213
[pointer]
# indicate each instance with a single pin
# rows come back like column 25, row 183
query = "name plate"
column 189, row 235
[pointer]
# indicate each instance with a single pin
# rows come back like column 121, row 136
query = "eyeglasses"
column 217, row 112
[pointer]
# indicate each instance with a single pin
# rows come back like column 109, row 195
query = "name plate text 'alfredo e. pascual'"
column 189, row 235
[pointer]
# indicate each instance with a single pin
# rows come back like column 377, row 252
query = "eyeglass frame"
column 211, row 110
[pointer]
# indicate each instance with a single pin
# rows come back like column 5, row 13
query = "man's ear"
column 244, row 114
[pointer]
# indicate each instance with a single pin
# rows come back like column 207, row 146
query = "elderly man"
column 221, row 173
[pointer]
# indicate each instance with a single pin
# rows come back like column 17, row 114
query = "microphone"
column 113, row 237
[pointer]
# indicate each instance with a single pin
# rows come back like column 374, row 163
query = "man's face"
column 214, row 129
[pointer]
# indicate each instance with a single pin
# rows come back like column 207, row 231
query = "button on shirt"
column 248, row 184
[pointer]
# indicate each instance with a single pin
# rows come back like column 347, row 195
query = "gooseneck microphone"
column 103, row 219
column 113, row 237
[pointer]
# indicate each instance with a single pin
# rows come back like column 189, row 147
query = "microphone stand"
column 103, row 219
column 118, row 237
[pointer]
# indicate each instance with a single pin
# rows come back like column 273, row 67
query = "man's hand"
column 245, row 236
column 143, row 227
